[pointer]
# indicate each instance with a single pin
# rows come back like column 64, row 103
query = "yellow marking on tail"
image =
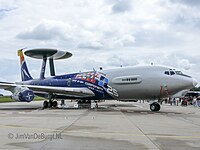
column 21, row 55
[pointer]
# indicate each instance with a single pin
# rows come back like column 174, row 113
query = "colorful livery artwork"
column 93, row 77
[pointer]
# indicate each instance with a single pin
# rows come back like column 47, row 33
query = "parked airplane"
column 124, row 83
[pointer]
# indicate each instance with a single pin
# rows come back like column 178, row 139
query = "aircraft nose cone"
column 195, row 82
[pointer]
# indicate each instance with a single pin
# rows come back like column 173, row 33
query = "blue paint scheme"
column 70, row 80
column 95, row 81
column 26, row 96
column 25, row 75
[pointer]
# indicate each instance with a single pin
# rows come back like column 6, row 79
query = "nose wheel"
column 155, row 106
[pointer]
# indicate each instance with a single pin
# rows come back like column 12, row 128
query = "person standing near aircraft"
column 194, row 102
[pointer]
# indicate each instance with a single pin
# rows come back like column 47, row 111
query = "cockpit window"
column 178, row 72
column 167, row 72
column 172, row 72
column 182, row 74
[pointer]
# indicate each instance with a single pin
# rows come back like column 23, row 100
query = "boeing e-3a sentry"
column 125, row 83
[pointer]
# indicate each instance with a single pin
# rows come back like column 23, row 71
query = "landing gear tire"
column 45, row 104
column 54, row 104
column 155, row 106
column 50, row 104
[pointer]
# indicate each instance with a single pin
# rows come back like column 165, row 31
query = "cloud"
column 121, row 6
column 187, row 2
column 41, row 32
column 124, row 41
column 90, row 45
column 153, row 38
column 5, row 11
column 117, row 61
column 184, row 63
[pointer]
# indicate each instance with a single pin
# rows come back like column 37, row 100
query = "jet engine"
column 22, row 94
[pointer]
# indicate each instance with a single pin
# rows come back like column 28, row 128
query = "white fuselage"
column 147, row 82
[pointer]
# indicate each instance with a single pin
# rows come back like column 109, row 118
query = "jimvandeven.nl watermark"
column 34, row 136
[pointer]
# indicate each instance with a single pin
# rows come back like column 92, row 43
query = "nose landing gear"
column 155, row 106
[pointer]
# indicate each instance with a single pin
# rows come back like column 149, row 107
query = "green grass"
column 5, row 99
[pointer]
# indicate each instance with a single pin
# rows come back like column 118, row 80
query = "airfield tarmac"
column 115, row 125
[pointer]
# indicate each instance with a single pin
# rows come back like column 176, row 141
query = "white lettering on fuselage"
column 78, row 81
column 112, row 91
column 93, row 86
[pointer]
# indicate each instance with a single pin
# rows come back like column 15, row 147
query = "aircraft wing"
column 6, row 85
column 78, row 92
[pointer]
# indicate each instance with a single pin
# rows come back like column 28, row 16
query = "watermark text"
column 35, row 136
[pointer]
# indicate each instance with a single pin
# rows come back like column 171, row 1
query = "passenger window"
column 133, row 79
column 172, row 72
column 167, row 72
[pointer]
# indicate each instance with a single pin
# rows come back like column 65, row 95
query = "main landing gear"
column 50, row 104
column 84, row 104
column 155, row 106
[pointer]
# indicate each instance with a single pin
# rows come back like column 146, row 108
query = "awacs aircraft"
column 124, row 83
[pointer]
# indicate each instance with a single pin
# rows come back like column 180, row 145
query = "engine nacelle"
column 22, row 94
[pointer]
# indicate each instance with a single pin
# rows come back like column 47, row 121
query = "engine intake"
column 23, row 94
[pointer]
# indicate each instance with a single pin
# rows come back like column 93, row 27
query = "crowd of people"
column 195, row 101
column 184, row 101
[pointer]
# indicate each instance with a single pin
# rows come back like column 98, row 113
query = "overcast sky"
column 106, row 33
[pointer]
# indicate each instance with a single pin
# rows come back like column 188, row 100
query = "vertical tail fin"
column 25, row 75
